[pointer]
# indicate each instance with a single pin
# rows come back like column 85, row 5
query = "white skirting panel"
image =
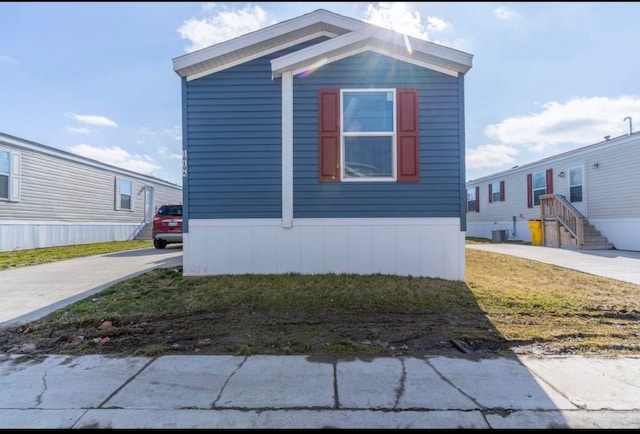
column 427, row 247
column 17, row 235
column 521, row 232
column 624, row 234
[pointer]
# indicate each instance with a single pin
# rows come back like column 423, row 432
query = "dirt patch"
column 327, row 336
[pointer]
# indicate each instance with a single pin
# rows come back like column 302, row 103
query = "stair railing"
column 557, row 207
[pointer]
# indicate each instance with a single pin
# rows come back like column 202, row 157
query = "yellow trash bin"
column 535, row 226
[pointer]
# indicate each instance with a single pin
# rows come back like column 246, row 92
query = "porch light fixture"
column 596, row 165
column 561, row 174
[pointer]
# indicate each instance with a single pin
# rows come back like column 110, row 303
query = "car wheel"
column 159, row 244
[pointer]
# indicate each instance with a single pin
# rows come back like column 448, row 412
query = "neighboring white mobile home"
column 50, row 197
column 599, row 184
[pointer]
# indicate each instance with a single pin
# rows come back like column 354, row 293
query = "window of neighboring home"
column 124, row 194
column 368, row 135
column 538, row 184
column 575, row 184
column 9, row 176
column 472, row 200
column 4, row 175
column 496, row 192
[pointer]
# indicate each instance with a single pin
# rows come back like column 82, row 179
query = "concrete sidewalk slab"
column 275, row 392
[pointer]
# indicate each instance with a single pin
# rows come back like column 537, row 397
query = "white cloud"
column 491, row 156
column 118, row 157
column 164, row 152
column 8, row 59
column 436, row 24
column 175, row 132
column 146, row 131
column 78, row 130
column 578, row 122
column 92, row 120
column 396, row 16
column 504, row 13
column 222, row 25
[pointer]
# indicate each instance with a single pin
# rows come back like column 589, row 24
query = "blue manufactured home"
column 324, row 144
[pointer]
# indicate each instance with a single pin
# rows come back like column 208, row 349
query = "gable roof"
column 347, row 37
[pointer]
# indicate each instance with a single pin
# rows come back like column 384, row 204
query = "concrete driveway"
column 29, row 293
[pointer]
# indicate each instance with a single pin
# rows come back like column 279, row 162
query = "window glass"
column 471, row 200
column 368, row 136
column 368, row 111
column 4, row 163
column 125, row 194
column 4, row 187
column 575, row 185
column 495, row 192
column 539, row 186
column 4, row 175
column 367, row 157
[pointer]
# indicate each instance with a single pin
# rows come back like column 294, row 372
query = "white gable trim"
column 256, row 55
column 427, row 55
column 362, row 46
column 183, row 63
column 345, row 31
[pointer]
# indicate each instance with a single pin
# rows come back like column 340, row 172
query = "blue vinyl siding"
column 437, row 194
column 234, row 143
column 232, row 133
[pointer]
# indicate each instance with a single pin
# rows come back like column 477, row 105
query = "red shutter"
column 501, row 191
column 529, row 191
column 478, row 199
column 408, row 145
column 329, row 135
column 549, row 181
column 490, row 193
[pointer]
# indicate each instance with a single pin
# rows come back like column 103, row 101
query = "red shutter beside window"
column 490, row 193
column 501, row 191
column 478, row 199
column 408, row 145
column 529, row 191
column 549, row 181
column 329, row 135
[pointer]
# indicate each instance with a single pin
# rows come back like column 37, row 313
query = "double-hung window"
column 496, row 191
column 368, row 135
column 472, row 200
column 538, row 184
column 5, row 173
column 9, row 176
column 124, row 194
column 368, row 146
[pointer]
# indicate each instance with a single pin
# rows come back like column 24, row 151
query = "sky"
column 96, row 78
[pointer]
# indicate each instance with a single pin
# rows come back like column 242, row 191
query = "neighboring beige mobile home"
column 50, row 197
column 585, row 198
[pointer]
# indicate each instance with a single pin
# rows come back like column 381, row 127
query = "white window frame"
column 534, row 189
column 118, row 194
column 392, row 134
column 13, row 176
column 471, row 192
column 495, row 191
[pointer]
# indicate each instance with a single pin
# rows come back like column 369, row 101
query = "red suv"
column 167, row 226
